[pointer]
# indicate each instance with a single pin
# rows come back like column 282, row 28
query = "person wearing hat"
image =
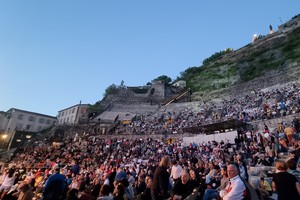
column 121, row 174
column 55, row 188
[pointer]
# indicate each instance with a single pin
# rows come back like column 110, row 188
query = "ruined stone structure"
column 154, row 94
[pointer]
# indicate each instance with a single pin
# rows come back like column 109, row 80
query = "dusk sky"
column 54, row 54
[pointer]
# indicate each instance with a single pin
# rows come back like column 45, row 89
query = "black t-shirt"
column 181, row 189
column 286, row 186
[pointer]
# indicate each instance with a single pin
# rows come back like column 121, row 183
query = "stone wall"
column 272, row 123
column 134, row 108
column 129, row 95
column 159, row 93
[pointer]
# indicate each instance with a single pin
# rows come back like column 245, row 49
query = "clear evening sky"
column 55, row 53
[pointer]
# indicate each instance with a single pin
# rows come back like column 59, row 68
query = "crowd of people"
column 258, row 105
column 94, row 168
column 149, row 168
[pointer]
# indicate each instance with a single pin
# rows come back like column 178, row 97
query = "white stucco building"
column 22, row 120
column 72, row 114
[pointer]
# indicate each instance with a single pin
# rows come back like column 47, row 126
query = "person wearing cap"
column 55, row 187
column 121, row 174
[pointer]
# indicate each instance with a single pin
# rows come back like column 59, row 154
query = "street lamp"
column 3, row 139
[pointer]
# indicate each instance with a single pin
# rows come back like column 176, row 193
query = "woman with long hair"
column 8, row 182
column 194, row 179
column 160, row 186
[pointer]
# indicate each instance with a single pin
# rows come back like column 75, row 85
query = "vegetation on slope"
column 228, row 68
column 221, row 71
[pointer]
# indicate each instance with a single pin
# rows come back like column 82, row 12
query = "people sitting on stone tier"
column 182, row 188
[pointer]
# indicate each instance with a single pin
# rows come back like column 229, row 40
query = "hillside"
column 270, row 60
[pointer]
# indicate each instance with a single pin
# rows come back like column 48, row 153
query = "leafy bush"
column 163, row 78
column 112, row 89
column 216, row 56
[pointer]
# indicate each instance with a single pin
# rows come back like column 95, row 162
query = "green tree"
column 163, row 78
column 112, row 89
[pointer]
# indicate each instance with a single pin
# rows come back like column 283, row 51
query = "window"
column 19, row 126
column 31, row 118
column 20, row 116
column 27, row 127
column 73, row 110
column 48, row 121
column 42, row 120
column 62, row 114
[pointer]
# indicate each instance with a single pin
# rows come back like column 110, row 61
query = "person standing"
column 160, row 185
column 284, row 183
column 175, row 171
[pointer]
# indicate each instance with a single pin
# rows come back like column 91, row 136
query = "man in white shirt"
column 106, row 179
column 236, row 188
column 175, row 171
